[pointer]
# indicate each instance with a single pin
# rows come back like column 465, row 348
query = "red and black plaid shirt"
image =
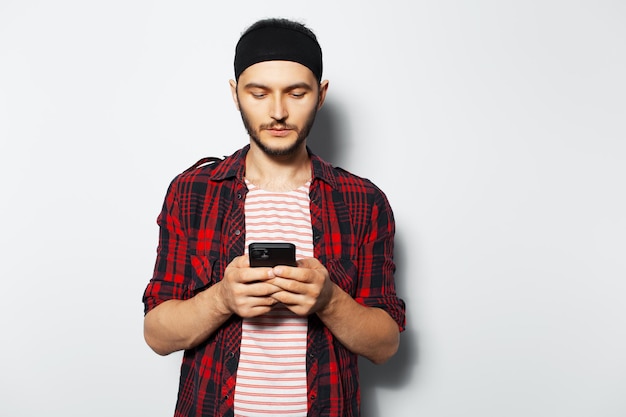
column 202, row 229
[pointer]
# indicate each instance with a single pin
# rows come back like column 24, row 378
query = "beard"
column 290, row 150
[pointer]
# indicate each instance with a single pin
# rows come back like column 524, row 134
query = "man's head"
column 278, row 88
column 278, row 40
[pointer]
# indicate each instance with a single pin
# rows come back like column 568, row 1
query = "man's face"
column 278, row 101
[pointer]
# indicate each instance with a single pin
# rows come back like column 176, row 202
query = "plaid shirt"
column 202, row 230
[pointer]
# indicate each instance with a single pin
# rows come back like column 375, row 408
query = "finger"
column 291, row 272
column 257, row 289
column 310, row 263
column 297, row 303
column 288, row 298
column 265, row 289
column 291, row 285
column 252, row 275
column 294, row 274
column 255, row 306
column 240, row 262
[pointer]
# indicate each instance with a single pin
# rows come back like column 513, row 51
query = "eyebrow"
column 295, row 86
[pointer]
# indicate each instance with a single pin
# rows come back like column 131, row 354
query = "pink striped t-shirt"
column 271, row 377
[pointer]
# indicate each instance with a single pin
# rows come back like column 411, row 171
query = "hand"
column 305, row 289
column 246, row 291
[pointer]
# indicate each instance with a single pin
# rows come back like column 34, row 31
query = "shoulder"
column 355, row 190
column 342, row 180
column 347, row 179
column 210, row 169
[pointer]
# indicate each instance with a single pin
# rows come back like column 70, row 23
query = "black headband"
column 271, row 43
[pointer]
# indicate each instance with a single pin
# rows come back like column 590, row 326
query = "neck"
column 283, row 173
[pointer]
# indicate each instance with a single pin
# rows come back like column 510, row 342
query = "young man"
column 284, row 340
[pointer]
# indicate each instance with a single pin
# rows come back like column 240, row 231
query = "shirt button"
column 239, row 196
column 237, row 232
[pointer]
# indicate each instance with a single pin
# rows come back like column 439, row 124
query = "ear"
column 322, row 93
column 233, row 92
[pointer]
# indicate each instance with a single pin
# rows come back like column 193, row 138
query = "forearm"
column 366, row 331
column 182, row 324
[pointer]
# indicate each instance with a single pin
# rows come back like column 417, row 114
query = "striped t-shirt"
column 271, row 378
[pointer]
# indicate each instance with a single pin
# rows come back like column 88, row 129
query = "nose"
column 278, row 110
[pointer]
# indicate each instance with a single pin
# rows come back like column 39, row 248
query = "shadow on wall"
column 396, row 373
column 330, row 139
column 330, row 135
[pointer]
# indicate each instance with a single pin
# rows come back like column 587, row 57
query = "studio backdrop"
column 496, row 130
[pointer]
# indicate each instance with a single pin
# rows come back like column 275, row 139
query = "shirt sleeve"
column 170, row 279
column 376, row 263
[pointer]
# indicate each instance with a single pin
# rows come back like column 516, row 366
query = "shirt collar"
column 234, row 167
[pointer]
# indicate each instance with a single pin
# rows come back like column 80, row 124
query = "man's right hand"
column 182, row 324
column 245, row 291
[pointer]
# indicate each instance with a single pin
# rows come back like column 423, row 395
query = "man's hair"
column 280, row 22
column 276, row 39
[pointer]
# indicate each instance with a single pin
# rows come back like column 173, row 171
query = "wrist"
column 213, row 298
column 329, row 307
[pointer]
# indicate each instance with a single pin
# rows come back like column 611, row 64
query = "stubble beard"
column 291, row 150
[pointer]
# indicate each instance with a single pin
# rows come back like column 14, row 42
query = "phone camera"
column 260, row 254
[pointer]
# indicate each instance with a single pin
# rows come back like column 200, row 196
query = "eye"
column 297, row 94
column 258, row 94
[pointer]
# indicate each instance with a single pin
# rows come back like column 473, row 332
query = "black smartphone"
column 272, row 254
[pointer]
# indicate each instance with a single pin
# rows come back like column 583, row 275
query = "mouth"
column 278, row 131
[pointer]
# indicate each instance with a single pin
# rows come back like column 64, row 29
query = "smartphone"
column 272, row 254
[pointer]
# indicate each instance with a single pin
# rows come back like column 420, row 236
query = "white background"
column 496, row 129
